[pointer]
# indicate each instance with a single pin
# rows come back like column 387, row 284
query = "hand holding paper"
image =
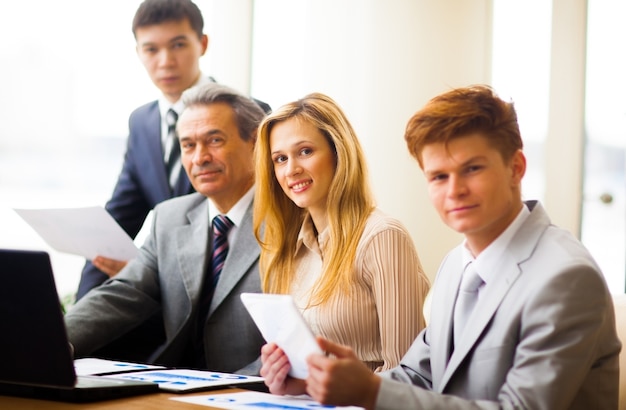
column 109, row 266
column 280, row 322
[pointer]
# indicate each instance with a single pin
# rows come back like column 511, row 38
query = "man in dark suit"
column 170, row 42
column 206, row 325
column 536, row 330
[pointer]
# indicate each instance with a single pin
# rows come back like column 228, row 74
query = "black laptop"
column 35, row 356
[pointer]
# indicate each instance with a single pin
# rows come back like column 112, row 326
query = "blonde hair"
column 277, row 220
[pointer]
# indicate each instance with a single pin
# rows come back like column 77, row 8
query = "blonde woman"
column 353, row 271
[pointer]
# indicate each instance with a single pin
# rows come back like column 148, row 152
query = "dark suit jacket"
column 166, row 279
column 542, row 335
column 142, row 183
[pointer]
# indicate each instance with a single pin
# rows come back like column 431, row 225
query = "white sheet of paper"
column 280, row 322
column 182, row 380
column 86, row 232
column 259, row 401
column 91, row 366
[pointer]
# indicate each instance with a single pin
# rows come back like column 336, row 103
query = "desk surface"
column 157, row 401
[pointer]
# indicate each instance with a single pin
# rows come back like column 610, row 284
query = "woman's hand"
column 275, row 370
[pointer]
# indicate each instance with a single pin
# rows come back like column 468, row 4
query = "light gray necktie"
column 172, row 148
column 465, row 301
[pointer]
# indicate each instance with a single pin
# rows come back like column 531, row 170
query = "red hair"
column 461, row 112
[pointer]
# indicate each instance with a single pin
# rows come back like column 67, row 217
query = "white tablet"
column 280, row 322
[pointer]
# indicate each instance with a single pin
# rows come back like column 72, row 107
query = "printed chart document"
column 86, row 232
column 291, row 333
column 259, row 401
column 188, row 380
column 91, row 366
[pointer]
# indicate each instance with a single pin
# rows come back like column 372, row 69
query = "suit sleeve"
column 128, row 204
column 264, row 106
column 119, row 305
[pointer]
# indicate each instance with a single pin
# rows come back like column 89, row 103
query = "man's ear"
column 518, row 166
column 204, row 40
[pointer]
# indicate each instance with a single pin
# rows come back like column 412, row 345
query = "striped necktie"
column 172, row 148
column 221, row 227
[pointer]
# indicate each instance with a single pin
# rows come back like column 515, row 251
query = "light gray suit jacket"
column 542, row 335
column 167, row 276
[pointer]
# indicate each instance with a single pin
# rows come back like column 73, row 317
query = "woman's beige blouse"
column 382, row 315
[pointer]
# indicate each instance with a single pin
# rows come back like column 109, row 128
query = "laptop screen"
column 33, row 347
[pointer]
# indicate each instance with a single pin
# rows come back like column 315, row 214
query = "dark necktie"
column 468, row 295
column 172, row 148
column 221, row 227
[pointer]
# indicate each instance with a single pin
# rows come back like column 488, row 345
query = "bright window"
column 521, row 73
column 604, row 200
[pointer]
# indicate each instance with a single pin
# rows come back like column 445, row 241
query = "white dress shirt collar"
column 235, row 214
column 487, row 260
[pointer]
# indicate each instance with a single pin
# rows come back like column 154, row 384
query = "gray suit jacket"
column 167, row 277
column 542, row 335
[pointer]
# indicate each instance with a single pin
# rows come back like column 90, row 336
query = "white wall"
column 229, row 27
column 381, row 61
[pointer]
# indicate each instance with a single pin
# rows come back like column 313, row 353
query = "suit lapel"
column 183, row 186
column 490, row 299
column 242, row 254
column 152, row 136
column 519, row 250
column 448, row 279
column 189, row 252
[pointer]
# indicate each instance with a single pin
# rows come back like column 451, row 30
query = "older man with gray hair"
column 200, row 254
